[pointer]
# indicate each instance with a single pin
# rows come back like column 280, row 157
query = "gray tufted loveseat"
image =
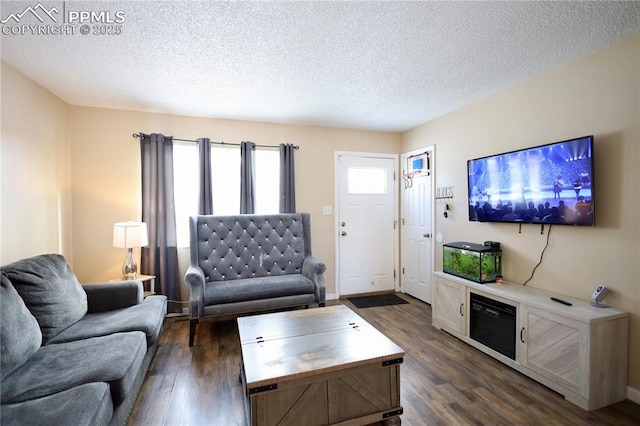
column 250, row 263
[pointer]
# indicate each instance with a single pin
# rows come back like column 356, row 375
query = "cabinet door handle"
column 461, row 310
column 522, row 335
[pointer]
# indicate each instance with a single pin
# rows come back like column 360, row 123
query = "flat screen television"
column 550, row 183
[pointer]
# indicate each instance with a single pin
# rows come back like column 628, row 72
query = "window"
column 185, row 184
column 225, row 179
column 267, row 181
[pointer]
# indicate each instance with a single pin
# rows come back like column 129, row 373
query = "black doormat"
column 377, row 300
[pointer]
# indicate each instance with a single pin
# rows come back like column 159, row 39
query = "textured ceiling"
column 368, row 65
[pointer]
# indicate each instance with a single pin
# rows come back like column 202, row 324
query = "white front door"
column 366, row 223
column 417, row 234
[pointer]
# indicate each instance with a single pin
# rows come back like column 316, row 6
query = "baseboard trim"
column 633, row 394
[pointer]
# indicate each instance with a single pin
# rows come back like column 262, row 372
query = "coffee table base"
column 314, row 367
column 355, row 396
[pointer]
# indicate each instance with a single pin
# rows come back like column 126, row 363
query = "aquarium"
column 475, row 262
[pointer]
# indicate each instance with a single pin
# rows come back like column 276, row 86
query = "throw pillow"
column 20, row 335
column 50, row 290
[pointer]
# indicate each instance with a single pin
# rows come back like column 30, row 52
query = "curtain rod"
column 136, row 135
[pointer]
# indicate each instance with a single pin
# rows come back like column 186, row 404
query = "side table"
column 147, row 281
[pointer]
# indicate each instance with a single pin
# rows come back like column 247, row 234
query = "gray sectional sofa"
column 72, row 354
column 250, row 263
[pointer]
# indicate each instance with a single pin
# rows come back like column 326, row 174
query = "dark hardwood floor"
column 444, row 381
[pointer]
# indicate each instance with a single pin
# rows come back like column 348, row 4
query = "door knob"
column 343, row 233
column 427, row 235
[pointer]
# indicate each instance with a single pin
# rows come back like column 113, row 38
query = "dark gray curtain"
column 205, row 197
column 287, row 179
column 247, row 178
column 160, row 258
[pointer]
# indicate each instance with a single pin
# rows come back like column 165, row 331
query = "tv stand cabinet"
column 579, row 351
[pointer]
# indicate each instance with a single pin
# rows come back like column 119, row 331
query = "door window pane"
column 367, row 180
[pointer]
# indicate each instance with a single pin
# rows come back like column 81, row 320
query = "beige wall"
column 598, row 94
column 106, row 174
column 35, row 212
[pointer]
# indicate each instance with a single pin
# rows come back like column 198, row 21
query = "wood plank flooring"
column 444, row 381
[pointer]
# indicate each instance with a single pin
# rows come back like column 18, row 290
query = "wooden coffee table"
column 320, row 366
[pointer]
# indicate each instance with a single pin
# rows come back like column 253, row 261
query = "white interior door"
column 366, row 223
column 417, row 231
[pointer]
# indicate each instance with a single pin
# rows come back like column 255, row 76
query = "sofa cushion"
column 50, row 290
column 256, row 288
column 85, row 405
column 147, row 317
column 115, row 359
column 19, row 330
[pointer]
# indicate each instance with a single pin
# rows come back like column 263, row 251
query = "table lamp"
column 130, row 235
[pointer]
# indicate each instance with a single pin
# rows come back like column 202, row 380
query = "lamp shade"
column 130, row 235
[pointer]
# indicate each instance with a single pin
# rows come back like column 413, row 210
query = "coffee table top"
column 288, row 345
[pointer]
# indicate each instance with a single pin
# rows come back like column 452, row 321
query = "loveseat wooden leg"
column 192, row 331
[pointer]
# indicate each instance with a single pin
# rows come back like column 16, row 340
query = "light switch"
column 327, row 210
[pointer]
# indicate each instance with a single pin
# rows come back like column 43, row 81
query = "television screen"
column 547, row 184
